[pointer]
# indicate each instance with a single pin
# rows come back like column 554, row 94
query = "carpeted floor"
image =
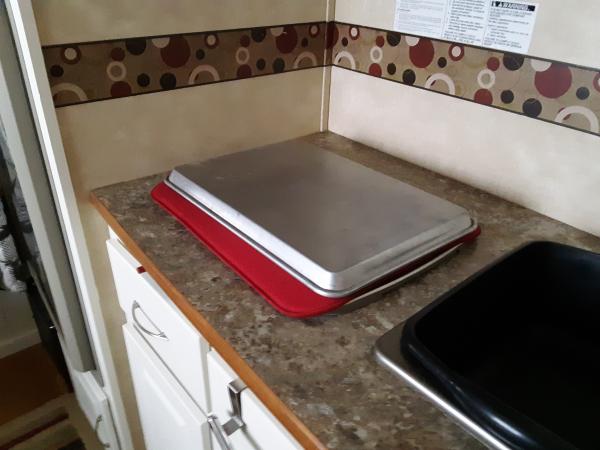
column 28, row 379
column 56, row 434
column 57, row 425
column 36, row 412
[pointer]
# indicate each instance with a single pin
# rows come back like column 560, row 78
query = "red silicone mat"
column 284, row 292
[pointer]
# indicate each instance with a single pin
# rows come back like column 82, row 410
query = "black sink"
column 516, row 347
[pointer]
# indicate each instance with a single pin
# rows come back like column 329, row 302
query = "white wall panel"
column 551, row 169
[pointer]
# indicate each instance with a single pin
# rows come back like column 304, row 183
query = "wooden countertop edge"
column 273, row 403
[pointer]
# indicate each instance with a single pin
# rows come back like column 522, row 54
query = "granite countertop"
column 323, row 369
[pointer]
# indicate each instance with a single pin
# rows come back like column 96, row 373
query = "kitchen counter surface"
column 322, row 370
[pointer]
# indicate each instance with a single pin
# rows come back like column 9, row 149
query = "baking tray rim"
column 344, row 275
column 300, row 277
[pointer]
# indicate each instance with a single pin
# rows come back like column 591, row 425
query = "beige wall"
column 122, row 139
column 545, row 167
column 118, row 140
column 112, row 141
column 565, row 31
column 62, row 21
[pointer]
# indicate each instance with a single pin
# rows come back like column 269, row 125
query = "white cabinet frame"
column 42, row 106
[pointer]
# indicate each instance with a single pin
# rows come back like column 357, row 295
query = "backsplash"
column 92, row 71
column 555, row 92
column 552, row 91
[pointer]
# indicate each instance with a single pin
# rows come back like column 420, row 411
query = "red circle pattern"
column 286, row 42
column 354, row 33
column 279, row 54
column 596, row 82
column 244, row 71
column 555, row 81
column 421, row 55
column 176, row 53
column 461, row 52
column 484, row 97
column 209, row 38
column 120, row 89
column 245, row 41
column 333, row 34
column 375, row 70
column 117, row 54
column 493, row 63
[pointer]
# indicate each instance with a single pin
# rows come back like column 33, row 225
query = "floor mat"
column 49, row 427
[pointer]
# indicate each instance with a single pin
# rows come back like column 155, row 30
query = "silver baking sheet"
column 334, row 224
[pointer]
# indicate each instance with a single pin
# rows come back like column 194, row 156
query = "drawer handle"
column 158, row 334
column 96, row 426
column 236, row 422
column 217, row 430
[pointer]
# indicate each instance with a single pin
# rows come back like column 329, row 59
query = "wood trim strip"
column 273, row 403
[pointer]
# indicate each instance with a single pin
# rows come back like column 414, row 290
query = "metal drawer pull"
column 236, row 422
column 158, row 334
column 96, row 426
column 218, row 431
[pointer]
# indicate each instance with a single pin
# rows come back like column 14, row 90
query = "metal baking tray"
column 334, row 224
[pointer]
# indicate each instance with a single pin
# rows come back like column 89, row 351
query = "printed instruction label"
column 502, row 25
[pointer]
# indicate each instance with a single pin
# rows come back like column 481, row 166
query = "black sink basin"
column 516, row 347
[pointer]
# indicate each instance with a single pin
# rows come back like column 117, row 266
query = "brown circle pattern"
column 168, row 62
column 552, row 91
column 555, row 92
column 56, row 71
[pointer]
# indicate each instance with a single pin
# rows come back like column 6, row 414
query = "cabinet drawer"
column 169, row 418
column 162, row 325
column 262, row 430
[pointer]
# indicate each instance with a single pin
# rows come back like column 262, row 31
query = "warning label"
column 495, row 24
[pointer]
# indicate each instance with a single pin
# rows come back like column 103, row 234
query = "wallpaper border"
column 547, row 89
column 87, row 72
column 557, row 92
column 498, row 108
column 527, row 55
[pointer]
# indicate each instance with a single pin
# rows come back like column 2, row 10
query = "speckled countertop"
column 323, row 368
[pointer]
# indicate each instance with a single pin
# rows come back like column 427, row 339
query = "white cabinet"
column 165, row 329
column 169, row 417
column 178, row 380
column 261, row 430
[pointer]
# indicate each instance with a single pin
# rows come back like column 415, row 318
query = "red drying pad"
column 284, row 292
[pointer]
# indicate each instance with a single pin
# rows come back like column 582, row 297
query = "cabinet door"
column 178, row 344
column 262, row 430
column 169, row 417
